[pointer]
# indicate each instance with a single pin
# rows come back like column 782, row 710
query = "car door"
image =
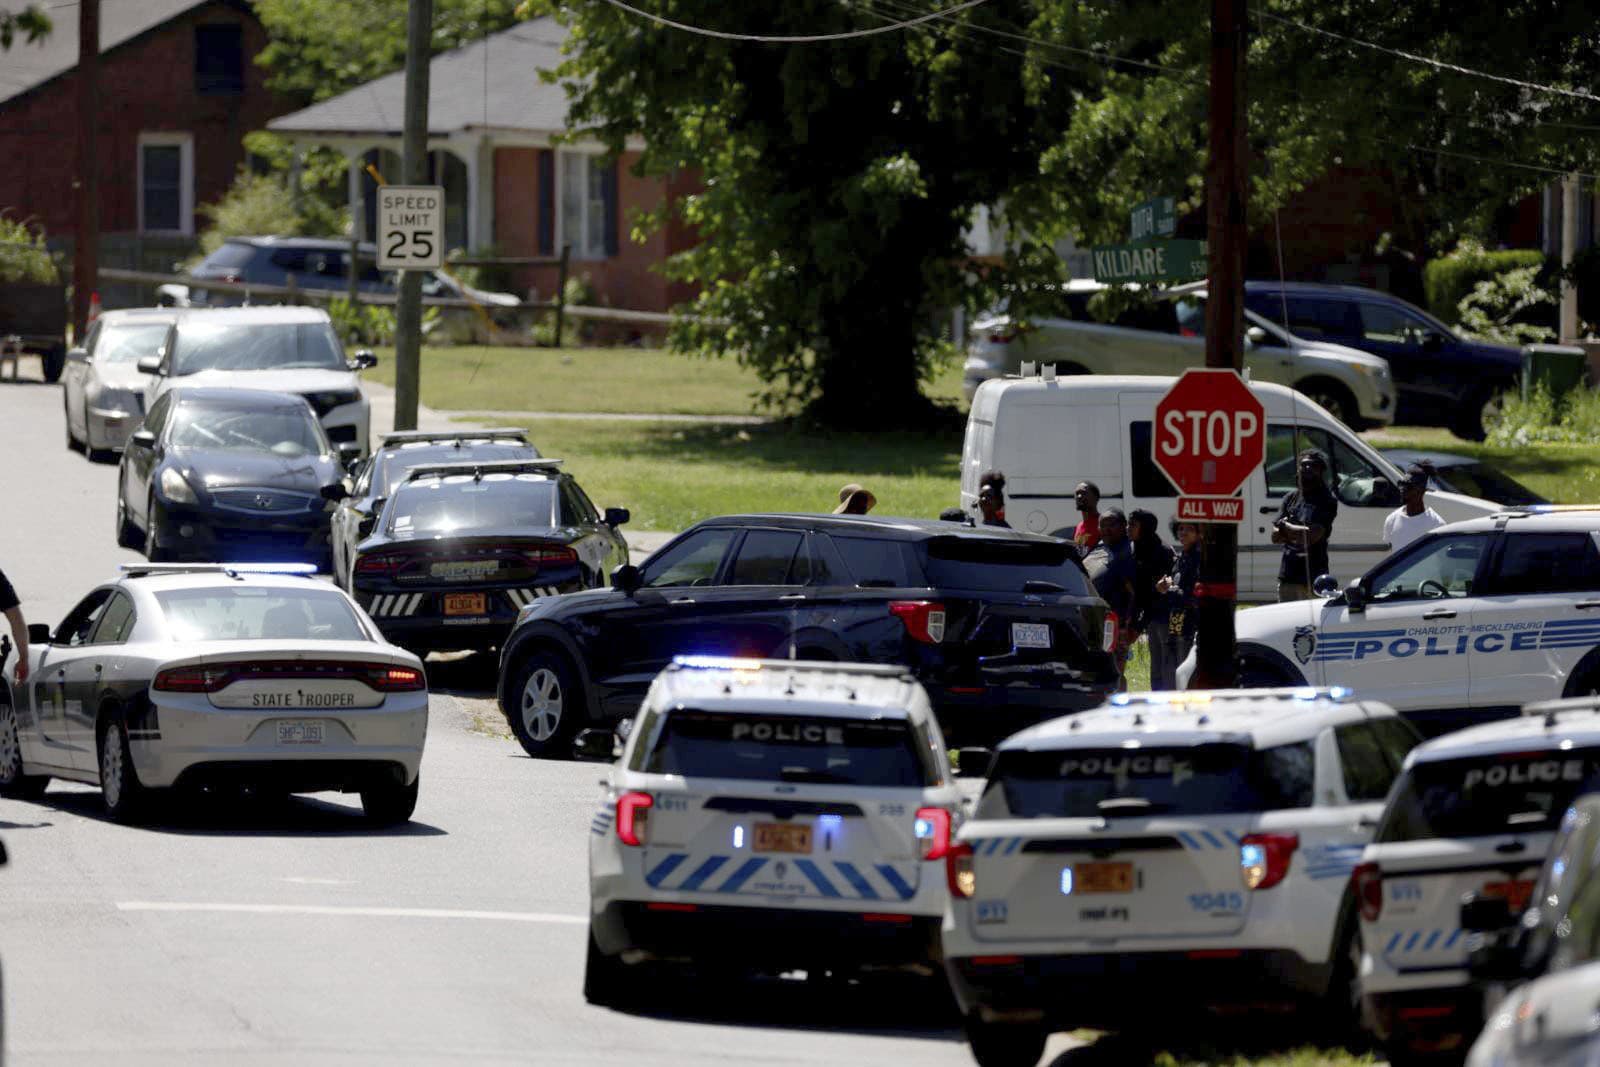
column 139, row 460
column 1413, row 347
column 345, row 522
column 74, row 383
column 90, row 675
column 1540, row 616
column 61, row 680
column 1409, row 642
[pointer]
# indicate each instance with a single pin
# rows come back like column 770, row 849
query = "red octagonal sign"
column 1211, row 432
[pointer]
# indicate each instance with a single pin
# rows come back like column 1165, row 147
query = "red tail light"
column 958, row 871
column 633, row 818
column 1366, row 881
column 924, row 619
column 396, row 679
column 1109, row 632
column 380, row 564
column 192, row 679
column 384, row 677
column 554, row 555
column 1264, row 858
column 933, row 830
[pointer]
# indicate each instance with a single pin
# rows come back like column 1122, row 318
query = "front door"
column 64, row 681
column 89, row 675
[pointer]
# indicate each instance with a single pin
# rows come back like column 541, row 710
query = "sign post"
column 410, row 227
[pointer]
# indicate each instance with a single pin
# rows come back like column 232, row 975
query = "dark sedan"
column 1002, row 627
column 1454, row 473
column 220, row 474
column 461, row 548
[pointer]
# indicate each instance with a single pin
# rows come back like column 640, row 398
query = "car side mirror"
column 974, row 762
column 1355, row 596
column 364, row 359
column 349, row 454
column 626, row 579
column 149, row 365
column 365, row 526
column 595, row 745
column 334, row 492
column 77, row 355
column 1483, row 915
column 1326, row 585
column 38, row 633
column 617, row 516
column 142, row 439
column 1253, row 336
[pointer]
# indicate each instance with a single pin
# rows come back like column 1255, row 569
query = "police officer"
column 1303, row 526
column 19, row 628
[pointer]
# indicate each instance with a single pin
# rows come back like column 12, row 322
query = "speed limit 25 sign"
column 410, row 227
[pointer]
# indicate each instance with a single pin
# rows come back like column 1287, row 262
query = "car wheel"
column 1005, row 1044
column 128, row 535
column 73, row 444
column 13, row 783
column 120, row 789
column 154, row 550
column 605, row 978
column 546, row 704
column 390, row 803
column 1334, row 397
column 1480, row 412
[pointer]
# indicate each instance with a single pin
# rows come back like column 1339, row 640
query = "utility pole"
column 86, row 242
column 1570, row 189
column 1226, row 197
column 414, row 162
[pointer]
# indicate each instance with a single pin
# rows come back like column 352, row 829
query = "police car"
column 1191, row 850
column 769, row 815
column 1462, row 626
column 1473, row 813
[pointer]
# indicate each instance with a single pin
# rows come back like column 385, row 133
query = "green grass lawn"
column 1566, row 474
column 629, row 380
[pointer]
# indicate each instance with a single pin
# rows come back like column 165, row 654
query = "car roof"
column 1403, row 457
column 266, row 398
column 790, row 687
column 271, row 313
column 1548, row 518
column 1551, row 724
column 1265, row 717
column 887, row 527
column 156, row 577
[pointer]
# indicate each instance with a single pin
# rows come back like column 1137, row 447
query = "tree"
column 30, row 21
column 834, row 183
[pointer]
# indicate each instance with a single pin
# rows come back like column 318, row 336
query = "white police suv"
column 1188, row 850
column 1464, row 625
column 770, row 816
column 1473, row 813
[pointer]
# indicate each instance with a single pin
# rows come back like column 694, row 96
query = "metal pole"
column 86, row 243
column 414, row 161
column 1569, row 251
column 1226, row 196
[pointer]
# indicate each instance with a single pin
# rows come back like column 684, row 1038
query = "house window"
column 166, row 183
column 588, row 205
column 218, row 60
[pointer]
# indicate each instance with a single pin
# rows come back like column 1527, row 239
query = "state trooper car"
column 1464, row 625
column 216, row 674
column 769, row 815
column 1187, row 850
column 1473, row 813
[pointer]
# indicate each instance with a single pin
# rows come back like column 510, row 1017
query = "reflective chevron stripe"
column 390, row 604
column 830, row 879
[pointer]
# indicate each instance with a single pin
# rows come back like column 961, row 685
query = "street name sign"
column 1210, row 436
column 1158, row 261
column 1157, row 217
column 410, row 227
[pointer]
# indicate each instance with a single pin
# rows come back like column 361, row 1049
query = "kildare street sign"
column 1210, row 436
column 1157, row 261
column 1157, row 217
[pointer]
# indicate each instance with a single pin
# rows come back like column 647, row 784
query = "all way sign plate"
column 1210, row 509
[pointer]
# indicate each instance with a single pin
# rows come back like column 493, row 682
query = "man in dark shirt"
column 1303, row 527
column 1112, row 569
column 19, row 628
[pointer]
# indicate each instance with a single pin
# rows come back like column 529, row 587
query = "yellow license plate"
column 465, row 604
column 777, row 837
column 1103, row 877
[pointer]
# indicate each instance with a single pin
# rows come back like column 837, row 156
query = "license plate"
column 300, row 732
column 1103, row 877
column 1516, row 893
column 778, row 837
column 465, row 604
column 1030, row 634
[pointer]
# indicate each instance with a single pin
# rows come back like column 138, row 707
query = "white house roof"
column 489, row 84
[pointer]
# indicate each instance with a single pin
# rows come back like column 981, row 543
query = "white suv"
column 1188, row 850
column 1473, row 813
column 770, row 815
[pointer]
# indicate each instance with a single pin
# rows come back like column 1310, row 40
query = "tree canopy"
column 29, row 21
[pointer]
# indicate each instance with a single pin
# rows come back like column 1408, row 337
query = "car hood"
column 121, row 376
column 222, row 470
column 293, row 380
column 1277, row 622
column 1341, row 352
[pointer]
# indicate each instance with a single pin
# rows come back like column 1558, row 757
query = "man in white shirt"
column 1413, row 518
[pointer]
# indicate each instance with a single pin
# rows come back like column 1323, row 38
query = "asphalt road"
column 237, row 934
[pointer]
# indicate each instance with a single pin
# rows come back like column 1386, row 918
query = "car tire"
column 390, row 803
column 13, row 783
column 124, row 796
column 606, row 979
column 128, row 535
column 546, row 704
column 154, row 550
column 1254, row 672
column 73, row 444
column 1005, row 1044
column 1341, row 1007
column 1335, row 398
column 1473, row 421
column 53, row 362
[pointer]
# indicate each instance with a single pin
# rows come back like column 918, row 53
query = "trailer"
column 35, row 313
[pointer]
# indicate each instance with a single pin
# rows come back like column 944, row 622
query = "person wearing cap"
column 992, row 499
column 1413, row 517
column 1303, row 526
column 855, row 500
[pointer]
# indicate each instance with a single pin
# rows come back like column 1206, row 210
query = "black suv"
column 1003, row 628
column 1440, row 379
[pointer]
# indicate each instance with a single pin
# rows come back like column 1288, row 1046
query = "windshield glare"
column 130, row 343
column 248, row 613
column 460, row 502
column 256, row 346
column 281, row 431
column 785, row 748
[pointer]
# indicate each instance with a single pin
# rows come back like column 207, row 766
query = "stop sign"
column 1210, row 433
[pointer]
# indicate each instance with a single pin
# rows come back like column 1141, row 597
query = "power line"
column 1559, row 171
column 813, row 38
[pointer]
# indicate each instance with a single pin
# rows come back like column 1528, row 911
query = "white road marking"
column 317, row 881
column 327, row 909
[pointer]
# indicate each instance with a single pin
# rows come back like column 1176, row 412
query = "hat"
column 848, row 494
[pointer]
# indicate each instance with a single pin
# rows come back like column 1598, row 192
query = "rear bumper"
column 767, row 938
column 108, row 430
column 1441, row 1020
column 440, row 634
column 216, row 534
column 1115, row 991
column 348, row 422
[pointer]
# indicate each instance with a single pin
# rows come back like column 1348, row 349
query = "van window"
column 1354, row 480
column 1479, row 796
column 974, row 563
column 790, row 748
column 1148, row 480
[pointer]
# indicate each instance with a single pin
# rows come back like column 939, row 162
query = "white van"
column 1047, row 434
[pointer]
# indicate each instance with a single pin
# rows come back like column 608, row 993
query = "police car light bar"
column 411, row 437
column 496, row 466
column 737, row 663
column 142, row 570
column 1200, row 697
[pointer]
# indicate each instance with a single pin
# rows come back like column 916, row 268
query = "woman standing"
column 1177, row 588
column 1152, row 562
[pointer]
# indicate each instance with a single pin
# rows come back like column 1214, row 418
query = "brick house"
column 178, row 91
column 493, row 126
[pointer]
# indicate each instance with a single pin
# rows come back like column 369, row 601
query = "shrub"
column 1449, row 279
column 23, row 254
column 371, row 324
column 257, row 205
column 1497, row 307
column 1573, row 419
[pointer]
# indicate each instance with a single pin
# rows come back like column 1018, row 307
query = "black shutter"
column 547, row 202
column 608, row 195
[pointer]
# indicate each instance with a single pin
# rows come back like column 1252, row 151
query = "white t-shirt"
column 1400, row 529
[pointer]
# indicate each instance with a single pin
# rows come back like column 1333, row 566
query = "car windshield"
column 394, row 463
column 129, row 342
column 229, row 256
column 1206, row 779
column 282, row 430
column 1479, row 796
column 462, row 502
column 244, row 612
column 996, row 566
column 256, row 346
column 1480, row 480
column 788, row 748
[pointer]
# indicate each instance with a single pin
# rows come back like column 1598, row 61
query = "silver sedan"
column 217, row 675
column 102, row 389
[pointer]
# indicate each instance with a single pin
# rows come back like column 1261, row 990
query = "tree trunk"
column 867, row 372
